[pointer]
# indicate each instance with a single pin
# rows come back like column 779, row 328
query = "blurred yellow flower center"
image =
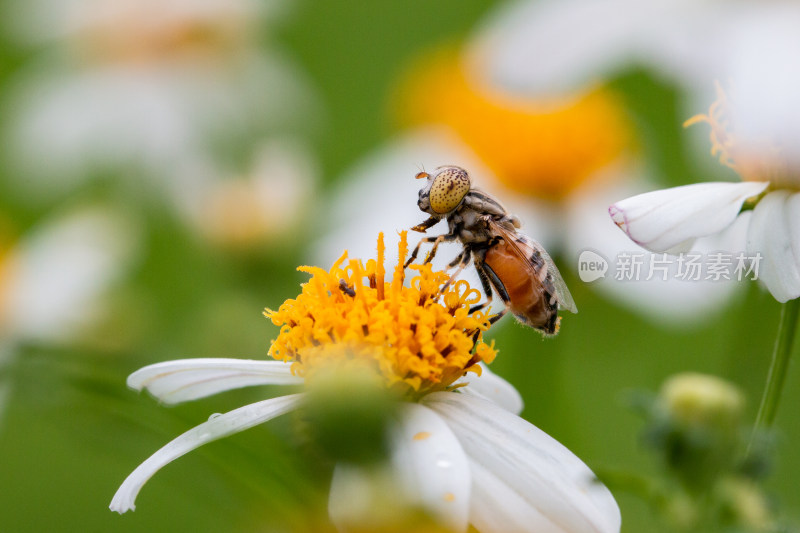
column 545, row 148
column 8, row 266
column 417, row 339
column 234, row 216
column 237, row 217
column 127, row 32
column 755, row 161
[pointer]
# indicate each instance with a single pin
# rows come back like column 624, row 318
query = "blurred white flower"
column 144, row 87
column 53, row 276
column 543, row 46
column 672, row 219
column 52, row 279
column 534, row 47
column 266, row 205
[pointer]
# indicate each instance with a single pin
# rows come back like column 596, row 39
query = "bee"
column 508, row 262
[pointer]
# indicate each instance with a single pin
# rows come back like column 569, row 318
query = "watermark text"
column 688, row 266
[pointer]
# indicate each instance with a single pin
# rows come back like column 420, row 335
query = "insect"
column 508, row 262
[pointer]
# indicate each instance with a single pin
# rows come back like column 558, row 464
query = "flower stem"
column 776, row 378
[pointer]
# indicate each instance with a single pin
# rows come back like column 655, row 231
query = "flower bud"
column 745, row 504
column 701, row 401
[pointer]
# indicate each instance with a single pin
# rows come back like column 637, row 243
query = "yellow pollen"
column 449, row 497
column 381, row 274
column 545, row 148
column 752, row 164
column 417, row 338
column 422, row 435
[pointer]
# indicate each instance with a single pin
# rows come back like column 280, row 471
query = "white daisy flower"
column 143, row 85
column 458, row 451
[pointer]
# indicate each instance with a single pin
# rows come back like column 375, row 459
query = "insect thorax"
column 467, row 224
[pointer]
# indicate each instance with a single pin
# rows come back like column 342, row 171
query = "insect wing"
column 562, row 292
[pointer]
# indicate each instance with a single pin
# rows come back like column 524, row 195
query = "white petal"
column 491, row 494
column 216, row 428
column 670, row 219
column 680, row 300
column 48, row 103
column 556, row 491
column 492, row 387
column 763, row 108
column 562, row 39
column 428, row 470
column 556, row 46
column 432, row 465
column 775, row 234
column 188, row 379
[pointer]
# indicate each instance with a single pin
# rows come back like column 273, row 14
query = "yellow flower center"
column 753, row 161
column 545, row 148
column 417, row 339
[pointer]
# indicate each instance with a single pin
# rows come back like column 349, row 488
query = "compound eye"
column 448, row 189
column 421, row 175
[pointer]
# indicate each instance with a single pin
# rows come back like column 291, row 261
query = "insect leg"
column 462, row 260
column 416, row 250
column 457, row 260
column 439, row 240
column 423, row 226
column 487, row 288
column 496, row 283
column 435, row 240
column 498, row 316
column 489, row 279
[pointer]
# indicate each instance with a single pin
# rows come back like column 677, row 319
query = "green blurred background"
column 72, row 431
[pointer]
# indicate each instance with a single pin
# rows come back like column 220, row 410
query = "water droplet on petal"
column 215, row 415
column 443, row 461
